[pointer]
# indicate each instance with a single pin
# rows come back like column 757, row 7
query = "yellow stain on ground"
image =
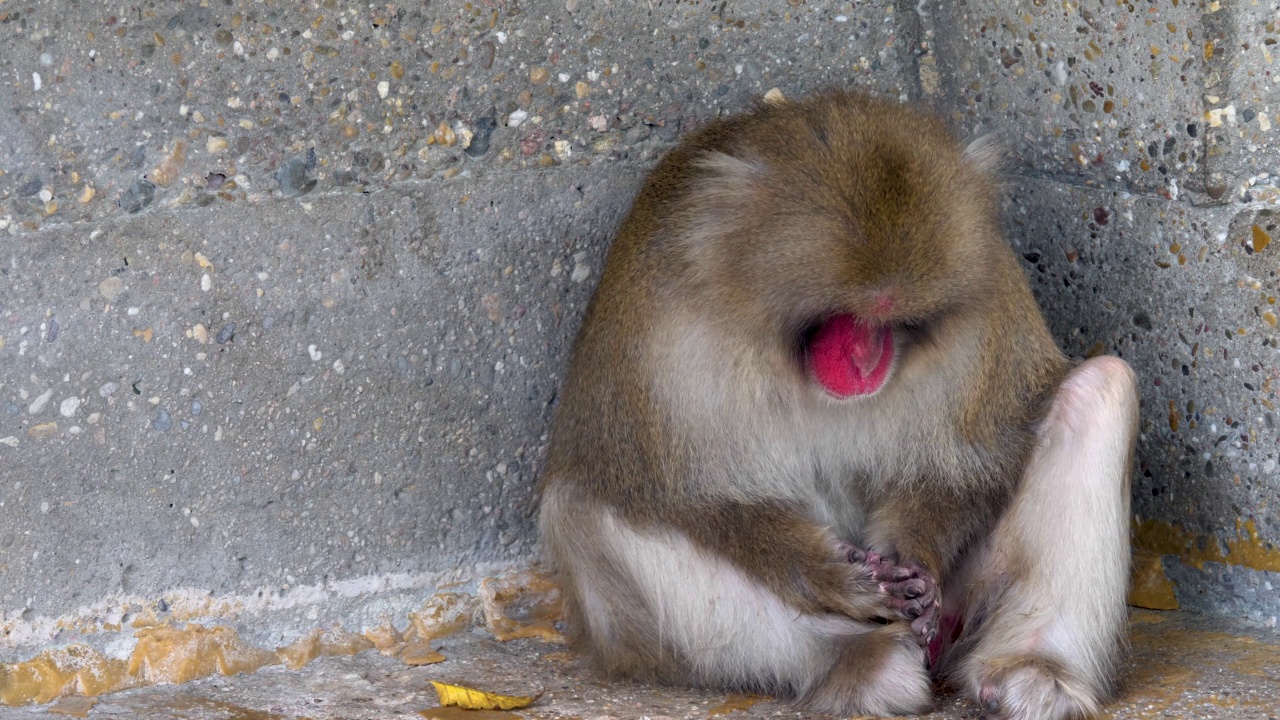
column 322, row 643
column 444, row 614
column 1149, row 587
column 1246, row 549
column 165, row 654
column 386, row 638
column 522, row 605
column 1169, row 661
column 525, row 604
column 734, row 703
column 168, row 654
column 73, row 706
column 75, row 669
column 419, row 652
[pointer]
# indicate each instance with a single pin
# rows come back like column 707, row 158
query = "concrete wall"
column 286, row 288
column 1142, row 199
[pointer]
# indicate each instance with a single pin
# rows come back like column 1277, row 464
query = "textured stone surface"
column 1102, row 93
column 1244, row 92
column 351, row 386
column 288, row 287
column 1142, row 203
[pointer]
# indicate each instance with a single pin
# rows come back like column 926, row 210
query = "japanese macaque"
column 817, row 441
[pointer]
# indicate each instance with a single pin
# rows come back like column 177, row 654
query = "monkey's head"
column 845, row 227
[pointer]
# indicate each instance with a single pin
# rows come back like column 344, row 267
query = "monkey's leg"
column 921, row 537
column 1046, row 595
column 651, row 601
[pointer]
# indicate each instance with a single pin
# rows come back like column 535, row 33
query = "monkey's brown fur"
column 751, row 231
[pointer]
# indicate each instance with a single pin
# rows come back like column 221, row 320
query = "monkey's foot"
column 1030, row 687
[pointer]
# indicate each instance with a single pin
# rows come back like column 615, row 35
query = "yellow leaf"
column 471, row 699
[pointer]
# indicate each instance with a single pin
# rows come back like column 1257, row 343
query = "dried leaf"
column 419, row 653
column 471, row 699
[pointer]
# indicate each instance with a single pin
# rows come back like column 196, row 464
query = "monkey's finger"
column 888, row 572
column 909, row 609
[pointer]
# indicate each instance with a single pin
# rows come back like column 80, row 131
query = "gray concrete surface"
column 267, row 323
column 286, row 288
column 1182, row 666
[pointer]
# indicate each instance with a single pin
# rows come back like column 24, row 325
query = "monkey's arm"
column 799, row 560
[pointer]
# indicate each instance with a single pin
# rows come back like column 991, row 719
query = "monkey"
column 816, row 439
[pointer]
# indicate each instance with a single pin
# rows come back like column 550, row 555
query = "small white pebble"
column 338, row 367
column 564, row 77
column 517, row 117
column 35, row 80
column 314, row 353
column 206, row 283
column 69, row 406
column 581, row 271
column 384, row 87
column 38, row 404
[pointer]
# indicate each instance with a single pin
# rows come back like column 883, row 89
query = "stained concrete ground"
column 1180, row 665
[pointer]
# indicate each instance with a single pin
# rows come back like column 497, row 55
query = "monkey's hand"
column 911, row 590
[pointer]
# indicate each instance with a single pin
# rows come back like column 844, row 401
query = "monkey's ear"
column 725, row 189
column 987, row 153
column 732, row 174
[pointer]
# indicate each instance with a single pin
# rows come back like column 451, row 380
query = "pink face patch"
column 849, row 357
